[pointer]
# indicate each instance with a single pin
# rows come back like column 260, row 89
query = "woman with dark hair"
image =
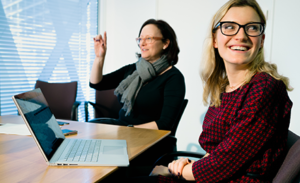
column 150, row 90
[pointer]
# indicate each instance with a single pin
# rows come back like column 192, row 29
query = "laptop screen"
column 41, row 120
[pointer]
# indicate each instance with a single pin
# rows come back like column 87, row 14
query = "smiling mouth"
column 239, row 48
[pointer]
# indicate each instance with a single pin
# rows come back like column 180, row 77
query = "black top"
column 159, row 100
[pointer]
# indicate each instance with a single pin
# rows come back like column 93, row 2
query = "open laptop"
column 58, row 150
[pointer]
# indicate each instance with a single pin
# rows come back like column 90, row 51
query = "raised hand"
column 100, row 51
column 100, row 45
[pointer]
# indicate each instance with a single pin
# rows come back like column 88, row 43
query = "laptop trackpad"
column 113, row 147
column 113, row 150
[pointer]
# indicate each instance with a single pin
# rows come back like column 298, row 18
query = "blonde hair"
column 213, row 73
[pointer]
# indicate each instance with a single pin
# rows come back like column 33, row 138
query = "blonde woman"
column 245, row 128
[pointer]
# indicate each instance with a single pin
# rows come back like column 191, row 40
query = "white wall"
column 190, row 20
column 285, row 51
column 122, row 21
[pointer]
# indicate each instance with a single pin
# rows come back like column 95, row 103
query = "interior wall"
column 285, row 47
column 122, row 21
column 190, row 19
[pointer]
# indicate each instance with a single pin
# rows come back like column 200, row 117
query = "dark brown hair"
column 168, row 34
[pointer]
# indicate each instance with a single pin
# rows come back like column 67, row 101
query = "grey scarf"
column 131, row 85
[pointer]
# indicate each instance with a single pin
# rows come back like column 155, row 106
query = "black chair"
column 61, row 98
column 289, row 171
column 106, row 105
column 142, row 164
column 179, row 115
column 171, row 138
column 168, row 144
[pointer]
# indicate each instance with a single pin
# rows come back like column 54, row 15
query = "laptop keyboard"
column 84, row 151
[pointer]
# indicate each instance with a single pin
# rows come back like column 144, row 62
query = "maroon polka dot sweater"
column 246, row 135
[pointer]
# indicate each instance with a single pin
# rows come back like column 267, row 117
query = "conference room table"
column 22, row 161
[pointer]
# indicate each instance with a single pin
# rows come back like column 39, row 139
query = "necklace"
column 235, row 86
column 231, row 88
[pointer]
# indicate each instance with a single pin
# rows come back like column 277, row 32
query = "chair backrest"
column 176, row 122
column 107, row 104
column 60, row 97
column 289, row 171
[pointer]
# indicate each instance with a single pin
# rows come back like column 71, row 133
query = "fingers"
column 105, row 38
column 97, row 38
column 176, row 167
column 100, row 39
column 171, row 167
column 100, row 45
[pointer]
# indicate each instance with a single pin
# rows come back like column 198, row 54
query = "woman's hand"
column 160, row 170
column 100, row 51
column 149, row 125
column 176, row 167
column 100, row 45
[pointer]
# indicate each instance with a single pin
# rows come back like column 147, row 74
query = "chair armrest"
column 74, row 112
column 177, row 153
column 86, row 110
column 99, row 106
column 96, row 107
column 172, row 138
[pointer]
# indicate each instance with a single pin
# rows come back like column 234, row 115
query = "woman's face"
column 239, row 49
column 152, row 51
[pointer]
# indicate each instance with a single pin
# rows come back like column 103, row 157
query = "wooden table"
column 22, row 161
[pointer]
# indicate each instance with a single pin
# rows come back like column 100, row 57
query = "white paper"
column 18, row 129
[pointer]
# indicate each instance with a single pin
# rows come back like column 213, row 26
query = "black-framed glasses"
column 252, row 29
column 147, row 39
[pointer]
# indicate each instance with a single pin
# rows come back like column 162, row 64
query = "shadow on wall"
column 202, row 116
column 193, row 146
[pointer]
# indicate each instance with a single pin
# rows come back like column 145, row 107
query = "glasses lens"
column 254, row 29
column 138, row 40
column 229, row 28
column 148, row 40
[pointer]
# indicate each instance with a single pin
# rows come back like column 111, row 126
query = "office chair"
column 143, row 163
column 61, row 98
column 169, row 143
column 172, row 137
column 289, row 171
column 166, row 145
column 106, row 105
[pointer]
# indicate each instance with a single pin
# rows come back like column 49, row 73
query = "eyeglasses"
column 252, row 29
column 148, row 39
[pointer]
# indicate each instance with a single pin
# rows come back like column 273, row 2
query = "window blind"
column 49, row 40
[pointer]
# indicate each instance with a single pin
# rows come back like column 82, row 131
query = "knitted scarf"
column 131, row 85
